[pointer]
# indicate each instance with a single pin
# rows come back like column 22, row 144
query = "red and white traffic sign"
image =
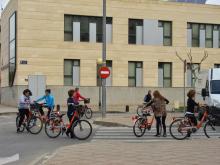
column 104, row 72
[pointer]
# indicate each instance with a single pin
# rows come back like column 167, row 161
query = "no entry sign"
column 104, row 72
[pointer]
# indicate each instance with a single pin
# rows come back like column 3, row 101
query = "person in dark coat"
column 148, row 97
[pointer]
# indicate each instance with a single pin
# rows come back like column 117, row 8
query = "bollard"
column 127, row 108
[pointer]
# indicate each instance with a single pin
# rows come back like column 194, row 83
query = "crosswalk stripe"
column 126, row 134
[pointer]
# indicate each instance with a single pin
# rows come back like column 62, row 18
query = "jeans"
column 158, row 124
column 23, row 112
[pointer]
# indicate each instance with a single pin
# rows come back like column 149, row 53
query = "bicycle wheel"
column 82, row 129
column 88, row 113
column 139, row 127
column 53, row 128
column 22, row 127
column 178, row 129
column 35, row 125
column 140, row 110
column 210, row 130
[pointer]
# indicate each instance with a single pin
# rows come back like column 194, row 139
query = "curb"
column 109, row 124
column 7, row 113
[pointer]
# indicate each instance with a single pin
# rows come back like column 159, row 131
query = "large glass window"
column 167, row 32
column 209, row 36
column 164, row 74
column 12, row 48
column 72, row 72
column 133, row 24
column 83, row 28
column 135, row 74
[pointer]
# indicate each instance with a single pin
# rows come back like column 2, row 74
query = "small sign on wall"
column 23, row 62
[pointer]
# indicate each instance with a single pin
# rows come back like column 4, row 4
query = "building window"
column 217, row 66
column 204, row 35
column 72, row 72
column 135, row 35
column 209, row 36
column 195, row 35
column 109, row 79
column 191, row 79
column 167, row 32
column 164, row 74
column 12, row 48
column 135, row 74
column 86, row 28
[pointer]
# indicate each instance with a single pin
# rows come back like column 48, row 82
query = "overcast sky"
column 3, row 3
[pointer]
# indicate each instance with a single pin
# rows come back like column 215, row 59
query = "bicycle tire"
column 210, row 126
column 32, row 123
column 77, row 128
column 88, row 113
column 138, row 123
column 173, row 134
column 48, row 127
column 22, row 127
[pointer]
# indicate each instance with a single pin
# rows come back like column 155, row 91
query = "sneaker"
column 164, row 135
column 157, row 135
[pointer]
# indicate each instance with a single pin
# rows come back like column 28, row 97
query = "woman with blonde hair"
column 159, row 107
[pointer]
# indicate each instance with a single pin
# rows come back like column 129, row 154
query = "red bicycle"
column 81, row 129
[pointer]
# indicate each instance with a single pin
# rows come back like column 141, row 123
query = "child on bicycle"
column 71, row 103
column 23, row 106
column 48, row 102
column 77, row 96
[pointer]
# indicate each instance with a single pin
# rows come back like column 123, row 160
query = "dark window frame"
column 161, row 24
column 131, row 35
column 136, row 66
column 91, row 19
column 12, row 74
column 209, row 39
column 171, row 73
column 69, row 76
column 216, row 65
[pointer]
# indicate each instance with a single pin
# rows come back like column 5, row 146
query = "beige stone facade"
column 40, row 39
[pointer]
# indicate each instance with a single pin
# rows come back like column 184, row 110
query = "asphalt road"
column 29, row 147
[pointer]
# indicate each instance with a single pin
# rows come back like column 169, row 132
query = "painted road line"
column 10, row 159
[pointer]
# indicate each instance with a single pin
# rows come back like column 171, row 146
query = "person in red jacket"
column 77, row 96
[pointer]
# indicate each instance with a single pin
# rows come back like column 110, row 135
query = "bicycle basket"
column 87, row 101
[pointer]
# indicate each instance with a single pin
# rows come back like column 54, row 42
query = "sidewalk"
column 192, row 152
column 6, row 110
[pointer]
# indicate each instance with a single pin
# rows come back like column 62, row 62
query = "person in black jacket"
column 191, row 105
column 148, row 97
column 71, row 103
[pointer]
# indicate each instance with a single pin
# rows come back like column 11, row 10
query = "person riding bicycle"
column 48, row 102
column 71, row 103
column 77, row 95
column 24, row 106
column 191, row 105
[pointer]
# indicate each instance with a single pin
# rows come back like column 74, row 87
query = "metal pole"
column 104, row 59
column 184, row 72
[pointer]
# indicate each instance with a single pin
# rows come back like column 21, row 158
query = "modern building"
column 56, row 44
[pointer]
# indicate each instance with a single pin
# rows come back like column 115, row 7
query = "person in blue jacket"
column 48, row 102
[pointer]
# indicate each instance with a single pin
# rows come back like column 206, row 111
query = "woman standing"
column 159, row 107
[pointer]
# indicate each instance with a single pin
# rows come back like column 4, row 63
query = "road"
column 29, row 147
column 33, row 147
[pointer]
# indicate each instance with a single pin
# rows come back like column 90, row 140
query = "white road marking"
column 10, row 159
